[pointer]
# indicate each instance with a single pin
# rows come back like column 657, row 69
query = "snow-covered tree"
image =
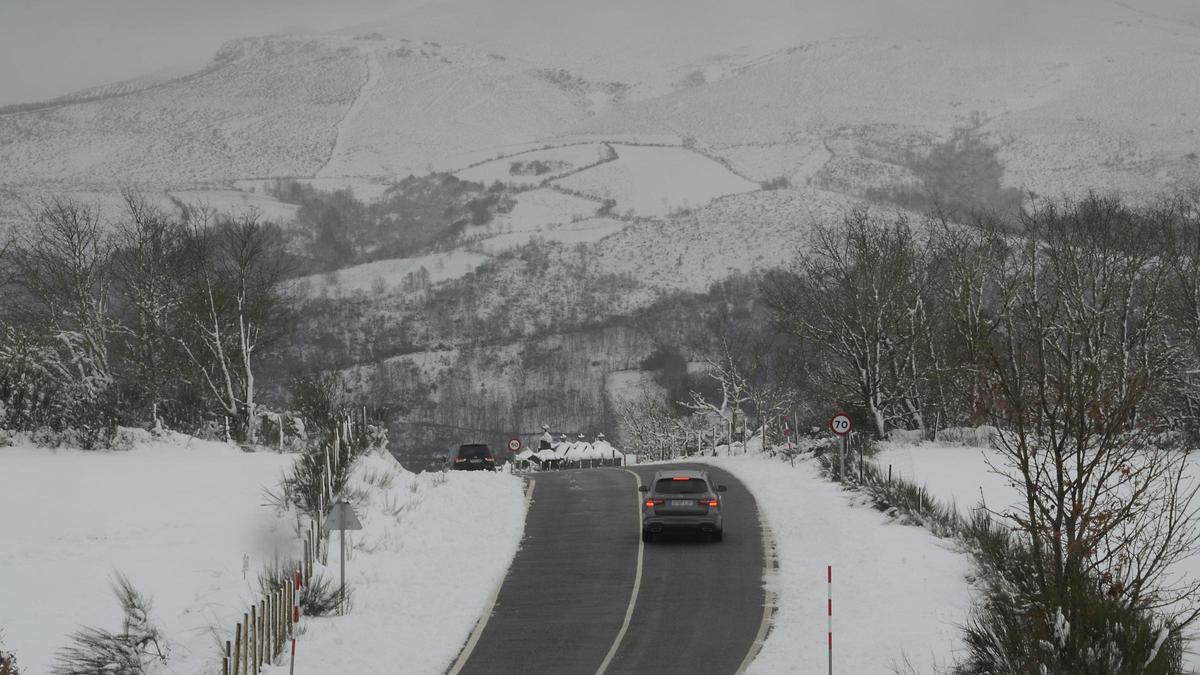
column 61, row 295
column 150, row 287
column 236, row 307
column 1077, row 356
column 858, row 292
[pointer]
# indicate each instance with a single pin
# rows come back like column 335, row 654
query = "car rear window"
column 474, row 451
column 668, row 486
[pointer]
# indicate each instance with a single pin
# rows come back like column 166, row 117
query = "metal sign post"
column 841, row 425
column 342, row 517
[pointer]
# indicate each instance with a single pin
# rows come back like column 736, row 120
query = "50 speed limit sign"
column 514, row 444
column 840, row 424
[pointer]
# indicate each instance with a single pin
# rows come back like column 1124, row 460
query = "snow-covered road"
column 585, row 595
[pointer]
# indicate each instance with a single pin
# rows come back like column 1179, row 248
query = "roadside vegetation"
column 152, row 321
column 1071, row 330
column 334, row 229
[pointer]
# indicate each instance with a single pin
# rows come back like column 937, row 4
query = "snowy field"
column 964, row 475
column 899, row 593
column 654, row 181
column 518, row 170
column 541, row 208
column 392, row 272
column 237, row 202
column 433, row 548
column 183, row 519
column 954, row 473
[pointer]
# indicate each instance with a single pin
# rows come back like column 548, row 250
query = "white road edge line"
column 637, row 585
column 465, row 654
column 770, row 598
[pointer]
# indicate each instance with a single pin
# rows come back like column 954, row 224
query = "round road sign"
column 514, row 444
column 840, row 424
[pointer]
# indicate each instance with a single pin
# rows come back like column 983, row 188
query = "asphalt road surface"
column 584, row 595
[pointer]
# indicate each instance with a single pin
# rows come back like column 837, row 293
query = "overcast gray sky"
column 53, row 47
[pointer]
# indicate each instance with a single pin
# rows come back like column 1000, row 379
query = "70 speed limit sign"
column 840, row 424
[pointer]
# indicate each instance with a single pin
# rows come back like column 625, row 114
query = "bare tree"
column 749, row 384
column 1182, row 258
column 149, row 270
column 62, row 265
column 652, row 427
column 858, row 293
column 1074, row 356
column 724, row 369
column 973, row 290
column 237, row 307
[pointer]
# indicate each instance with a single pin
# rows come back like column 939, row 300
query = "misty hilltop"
column 837, row 94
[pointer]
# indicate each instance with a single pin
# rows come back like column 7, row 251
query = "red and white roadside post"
column 295, row 619
column 829, row 577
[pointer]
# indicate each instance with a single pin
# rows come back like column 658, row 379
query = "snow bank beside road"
column 899, row 593
column 966, row 475
column 179, row 517
column 433, row 549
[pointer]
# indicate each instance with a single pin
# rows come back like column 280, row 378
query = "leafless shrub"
column 131, row 651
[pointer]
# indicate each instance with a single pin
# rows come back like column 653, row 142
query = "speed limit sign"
column 840, row 424
column 514, row 444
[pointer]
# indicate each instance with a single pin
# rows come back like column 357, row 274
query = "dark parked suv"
column 682, row 501
column 473, row 457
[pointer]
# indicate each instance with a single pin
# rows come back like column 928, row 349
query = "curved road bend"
column 564, row 602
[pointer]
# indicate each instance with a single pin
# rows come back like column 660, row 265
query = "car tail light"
column 490, row 459
column 681, row 478
column 458, row 460
column 711, row 503
column 655, row 501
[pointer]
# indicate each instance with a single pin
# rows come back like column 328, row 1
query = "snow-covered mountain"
column 637, row 140
column 1075, row 94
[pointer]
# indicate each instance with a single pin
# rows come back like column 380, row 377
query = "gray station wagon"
column 682, row 501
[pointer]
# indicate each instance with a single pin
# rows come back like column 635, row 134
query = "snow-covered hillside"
column 1075, row 94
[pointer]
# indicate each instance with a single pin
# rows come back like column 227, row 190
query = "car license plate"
column 683, row 502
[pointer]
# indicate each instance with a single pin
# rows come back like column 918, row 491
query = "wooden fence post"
column 252, row 646
column 246, row 645
column 262, row 632
column 270, row 626
column 237, row 648
column 278, row 619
